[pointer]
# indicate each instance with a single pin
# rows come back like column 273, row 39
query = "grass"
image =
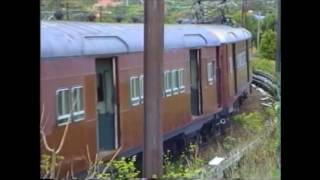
column 266, row 65
column 260, row 163
column 189, row 165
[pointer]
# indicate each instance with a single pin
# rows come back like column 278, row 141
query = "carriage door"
column 106, row 104
column 195, row 76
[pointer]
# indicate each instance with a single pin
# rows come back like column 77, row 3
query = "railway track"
column 264, row 81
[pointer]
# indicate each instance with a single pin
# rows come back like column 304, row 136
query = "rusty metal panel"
column 67, row 74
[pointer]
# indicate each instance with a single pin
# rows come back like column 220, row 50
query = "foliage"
column 187, row 166
column 251, row 23
column 269, row 22
column 278, row 131
column 72, row 4
column 260, row 163
column 46, row 162
column 125, row 14
column 122, row 168
column 268, row 44
column 228, row 143
column 265, row 65
column 252, row 122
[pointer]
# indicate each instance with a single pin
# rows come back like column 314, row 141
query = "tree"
column 269, row 22
column 251, row 24
column 268, row 44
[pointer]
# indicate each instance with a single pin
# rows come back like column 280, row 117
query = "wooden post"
column 153, row 62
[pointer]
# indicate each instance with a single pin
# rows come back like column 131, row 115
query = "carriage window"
column 167, row 84
column 175, row 81
column 244, row 58
column 230, row 65
column 210, row 73
column 241, row 59
column 163, row 88
column 77, row 100
column 135, row 90
column 214, row 71
column 141, row 88
column 63, row 105
column 181, row 86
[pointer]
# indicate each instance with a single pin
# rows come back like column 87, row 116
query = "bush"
column 189, row 165
column 265, row 65
column 268, row 44
column 252, row 122
column 122, row 168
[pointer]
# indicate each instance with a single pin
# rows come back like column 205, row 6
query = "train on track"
column 93, row 74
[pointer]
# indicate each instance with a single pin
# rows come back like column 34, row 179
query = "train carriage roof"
column 228, row 34
column 65, row 38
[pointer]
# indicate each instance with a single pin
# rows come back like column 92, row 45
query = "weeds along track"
column 266, row 85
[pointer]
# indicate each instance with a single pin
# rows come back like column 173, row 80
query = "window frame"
column 168, row 84
column 60, row 118
column 230, row 64
column 81, row 112
column 134, row 100
column 210, row 75
column 175, row 81
column 241, row 60
column 180, row 83
column 141, row 83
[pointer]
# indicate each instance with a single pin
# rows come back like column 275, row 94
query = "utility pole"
column 153, row 76
column 258, row 33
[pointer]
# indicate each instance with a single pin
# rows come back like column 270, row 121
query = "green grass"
column 261, row 163
column 265, row 65
column 252, row 122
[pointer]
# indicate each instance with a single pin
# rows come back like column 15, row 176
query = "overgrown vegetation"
column 189, row 164
column 268, row 44
column 120, row 168
column 262, row 162
column 252, row 122
column 47, row 163
column 265, row 65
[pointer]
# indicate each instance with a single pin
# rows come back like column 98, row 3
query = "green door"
column 106, row 105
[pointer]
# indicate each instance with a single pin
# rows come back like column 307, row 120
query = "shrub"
column 252, row 122
column 187, row 166
column 268, row 44
column 265, row 65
